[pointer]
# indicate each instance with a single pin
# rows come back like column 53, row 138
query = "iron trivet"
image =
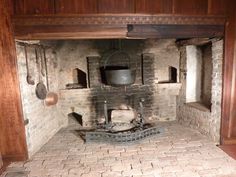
column 125, row 136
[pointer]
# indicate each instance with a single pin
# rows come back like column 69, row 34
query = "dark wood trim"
column 70, row 32
column 175, row 31
column 229, row 141
column 97, row 26
column 108, row 19
column 14, row 158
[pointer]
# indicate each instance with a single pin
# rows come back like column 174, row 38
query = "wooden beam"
column 97, row 26
column 196, row 41
column 116, row 19
column 175, row 31
column 71, row 32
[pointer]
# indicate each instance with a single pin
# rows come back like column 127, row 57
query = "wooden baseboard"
column 228, row 141
column 5, row 164
column 7, row 159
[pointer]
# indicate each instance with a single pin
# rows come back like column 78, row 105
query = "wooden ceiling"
column 190, row 7
column 76, row 19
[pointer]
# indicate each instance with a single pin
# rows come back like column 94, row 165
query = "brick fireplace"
column 151, row 60
column 161, row 79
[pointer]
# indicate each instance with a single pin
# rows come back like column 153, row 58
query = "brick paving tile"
column 178, row 152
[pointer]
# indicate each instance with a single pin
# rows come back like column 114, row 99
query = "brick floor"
column 178, row 152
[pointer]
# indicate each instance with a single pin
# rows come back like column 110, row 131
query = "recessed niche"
column 172, row 76
column 75, row 118
column 79, row 79
column 199, row 74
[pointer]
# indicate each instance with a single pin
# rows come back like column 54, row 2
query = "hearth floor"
column 178, row 152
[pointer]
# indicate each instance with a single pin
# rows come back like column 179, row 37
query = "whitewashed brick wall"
column 44, row 121
column 207, row 122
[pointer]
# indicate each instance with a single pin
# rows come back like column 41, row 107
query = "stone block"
column 125, row 116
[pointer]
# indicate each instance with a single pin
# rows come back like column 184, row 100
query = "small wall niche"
column 172, row 76
column 79, row 79
column 199, row 75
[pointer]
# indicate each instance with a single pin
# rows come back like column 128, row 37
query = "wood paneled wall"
column 217, row 7
column 153, row 7
column 190, row 7
column 23, row 7
column 75, row 6
column 228, row 128
column 12, row 130
column 116, row 6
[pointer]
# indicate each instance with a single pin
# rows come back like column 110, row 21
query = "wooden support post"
column 12, row 130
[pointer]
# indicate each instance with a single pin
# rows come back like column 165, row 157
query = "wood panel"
column 228, row 124
column 116, row 6
column 232, row 118
column 190, row 7
column 12, row 130
column 154, row 7
column 217, row 7
column 71, row 32
column 232, row 129
column 29, row 7
column 230, row 150
column 116, row 19
column 106, row 25
column 76, row 6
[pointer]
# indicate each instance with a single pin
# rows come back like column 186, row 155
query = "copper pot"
column 51, row 99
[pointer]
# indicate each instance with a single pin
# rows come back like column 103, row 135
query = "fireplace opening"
column 163, row 76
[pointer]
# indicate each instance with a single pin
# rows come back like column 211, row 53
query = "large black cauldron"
column 119, row 75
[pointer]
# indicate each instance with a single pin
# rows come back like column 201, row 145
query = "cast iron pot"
column 119, row 75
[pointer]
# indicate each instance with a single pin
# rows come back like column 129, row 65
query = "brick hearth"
column 179, row 152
